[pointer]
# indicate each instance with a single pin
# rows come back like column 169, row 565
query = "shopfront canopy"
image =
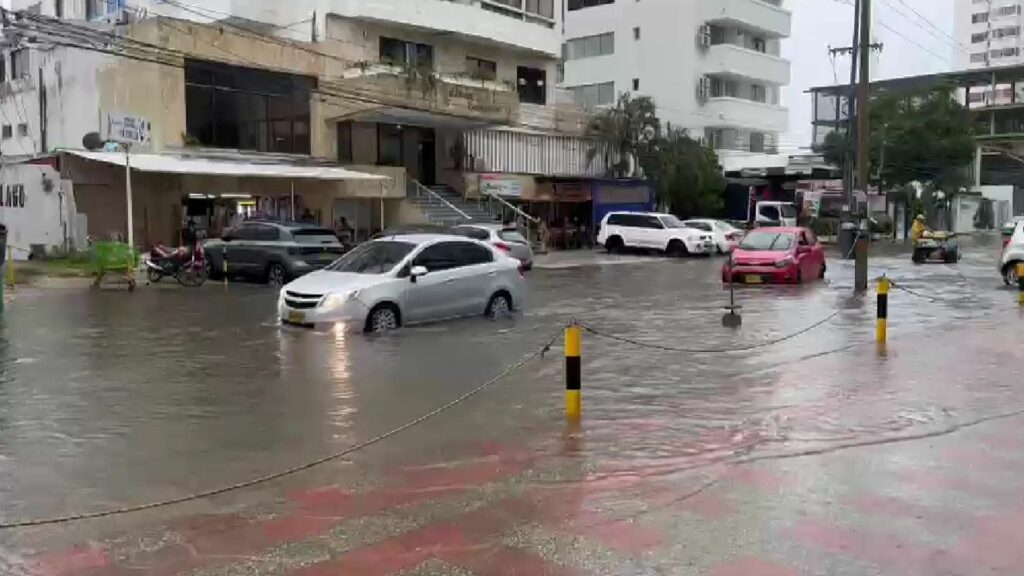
column 240, row 166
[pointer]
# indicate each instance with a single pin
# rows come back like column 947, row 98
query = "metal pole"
column 382, row 206
column 863, row 137
column 293, row 201
column 128, row 195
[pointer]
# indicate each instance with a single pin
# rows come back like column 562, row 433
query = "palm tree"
column 620, row 133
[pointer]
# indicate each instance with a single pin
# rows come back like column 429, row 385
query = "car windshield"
column 512, row 236
column 672, row 222
column 767, row 241
column 375, row 257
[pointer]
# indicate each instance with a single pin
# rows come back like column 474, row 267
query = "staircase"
column 443, row 206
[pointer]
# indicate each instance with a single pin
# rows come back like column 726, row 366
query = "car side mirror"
column 416, row 272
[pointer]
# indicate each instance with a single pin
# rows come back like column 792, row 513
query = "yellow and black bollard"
column 882, row 329
column 573, row 372
column 1020, row 282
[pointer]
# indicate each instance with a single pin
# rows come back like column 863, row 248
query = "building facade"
column 991, row 32
column 423, row 91
column 713, row 67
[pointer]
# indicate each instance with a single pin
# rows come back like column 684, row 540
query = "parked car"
column 776, row 255
column 508, row 239
column 653, row 231
column 273, row 251
column 769, row 213
column 392, row 282
column 1013, row 252
column 726, row 235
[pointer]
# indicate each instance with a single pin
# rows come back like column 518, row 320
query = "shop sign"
column 573, row 192
column 496, row 185
column 812, row 203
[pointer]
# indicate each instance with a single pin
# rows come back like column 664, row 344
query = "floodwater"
column 109, row 399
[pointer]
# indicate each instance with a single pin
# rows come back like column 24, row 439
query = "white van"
column 653, row 231
column 772, row 213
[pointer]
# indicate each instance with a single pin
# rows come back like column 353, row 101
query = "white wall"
column 35, row 208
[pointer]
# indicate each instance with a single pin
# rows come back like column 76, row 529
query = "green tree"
column 689, row 178
column 624, row 133
column 921, row 136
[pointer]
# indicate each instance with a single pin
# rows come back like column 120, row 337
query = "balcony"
column 414, row 93
column 467, row 18
column 765, row 17
column 727, row 112
column 732, row 60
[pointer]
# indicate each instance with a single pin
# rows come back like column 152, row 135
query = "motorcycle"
column 186, row 266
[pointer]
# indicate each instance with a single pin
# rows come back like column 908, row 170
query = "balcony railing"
column 768, row 17
column 732, row 60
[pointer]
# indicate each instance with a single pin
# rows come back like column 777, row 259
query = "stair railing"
column 528, row 221
column 422, row 191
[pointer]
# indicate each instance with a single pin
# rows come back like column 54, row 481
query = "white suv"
column 649, row 230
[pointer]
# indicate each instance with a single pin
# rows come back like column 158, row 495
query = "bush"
column 825, row 226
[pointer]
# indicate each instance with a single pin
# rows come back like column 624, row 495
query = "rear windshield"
column 314, row 236
column 376, row 257
column 512, row 235
column 788, row 211
column 672, row 222
column 767, row 241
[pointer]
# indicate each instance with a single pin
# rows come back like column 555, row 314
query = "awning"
column 240, row 167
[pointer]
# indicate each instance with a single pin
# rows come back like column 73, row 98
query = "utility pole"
column 846, row 227
column 863, row 141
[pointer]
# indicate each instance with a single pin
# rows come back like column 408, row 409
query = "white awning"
column 256, row 168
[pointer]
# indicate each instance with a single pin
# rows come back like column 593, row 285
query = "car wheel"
column 799, row 277
column 676, row 248
column 276, row 275
column 499, row 306
column 821, row 273
column 383, row 318
column 211, row 272
column 614, row 244
column 1010, row 274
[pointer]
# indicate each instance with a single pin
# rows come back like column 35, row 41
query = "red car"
column 776, row 255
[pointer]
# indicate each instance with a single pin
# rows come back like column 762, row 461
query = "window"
column 652, row 222
column 1005, row 32
column 95, row 9
column 978, row 57
column 758, row 93
column 389, row 145
column 58, row 8
column 471, row 232
column 581, row 4
column 636, row 84
column 512, row 235
column 723, row 88
column 756, row 142
column 438, row 257
column 406, row 54
column 19, row 63
column 246, row 108
column 590, row 46
column 481, row 69
column 265, row 233
column 1003, row 53
column 7, row 132
column 469, row 254
column 980, row 37
column 345, row 142
column 532, row 85
column 698, row 225
column 542, row 8
column 23, row 130
column 1006, row 11
column 979, row 17
column 717, row 35
column 636, row 33
column 591, row 96
column 373, row 257
column 760, row 45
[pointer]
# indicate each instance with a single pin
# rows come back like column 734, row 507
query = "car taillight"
column 503, row 247
column 522, row 270
column 1006, row 243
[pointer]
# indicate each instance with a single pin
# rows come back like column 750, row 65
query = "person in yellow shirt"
column 919, row 228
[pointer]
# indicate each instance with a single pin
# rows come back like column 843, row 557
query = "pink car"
column 776, row 255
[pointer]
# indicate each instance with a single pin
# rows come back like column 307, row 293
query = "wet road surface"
column 815, row 456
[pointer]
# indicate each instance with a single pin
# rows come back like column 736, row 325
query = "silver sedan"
column 390, row 282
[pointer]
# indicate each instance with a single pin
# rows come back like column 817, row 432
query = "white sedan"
column 390, row 282
column 726, row 236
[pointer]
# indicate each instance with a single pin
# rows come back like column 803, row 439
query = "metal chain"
column 539, row 353
column 640, row 344
column 917, row 294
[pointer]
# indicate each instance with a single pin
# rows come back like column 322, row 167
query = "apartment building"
column 712, row 66
column 991, row 29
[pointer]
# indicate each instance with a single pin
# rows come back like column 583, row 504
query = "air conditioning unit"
column 703, row 89
column 704, row 37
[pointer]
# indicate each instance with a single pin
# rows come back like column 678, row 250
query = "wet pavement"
column 819, row 455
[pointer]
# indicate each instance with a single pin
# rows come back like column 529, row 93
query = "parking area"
column 806, row 457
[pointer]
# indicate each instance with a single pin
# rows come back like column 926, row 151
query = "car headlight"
column 784, row 263
column 338, row 299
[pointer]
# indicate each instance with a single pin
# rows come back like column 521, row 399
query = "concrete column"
column 977, row 166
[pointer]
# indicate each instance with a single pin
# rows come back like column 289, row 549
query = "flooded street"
column 724, row 462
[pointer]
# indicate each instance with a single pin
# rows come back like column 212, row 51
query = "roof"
column 241, row 165
column 779, row 229
column 421, row 238
column 1000, row 74
column 487, row 225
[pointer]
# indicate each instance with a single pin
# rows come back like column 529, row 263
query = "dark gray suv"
column 276, row 252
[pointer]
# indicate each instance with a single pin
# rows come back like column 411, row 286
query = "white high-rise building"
column 992, row 31
column 713, row 67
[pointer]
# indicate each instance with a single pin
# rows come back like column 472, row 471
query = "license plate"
column 752, row 279
column 296, row 317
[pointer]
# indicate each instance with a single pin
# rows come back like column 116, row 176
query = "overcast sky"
column 818, row 24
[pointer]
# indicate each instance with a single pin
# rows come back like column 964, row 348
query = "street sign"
column 127, row 129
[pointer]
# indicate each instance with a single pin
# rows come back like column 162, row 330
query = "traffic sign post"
column 128, row 131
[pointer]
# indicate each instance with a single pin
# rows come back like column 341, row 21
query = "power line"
column 901, row 35
column 930, row 23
